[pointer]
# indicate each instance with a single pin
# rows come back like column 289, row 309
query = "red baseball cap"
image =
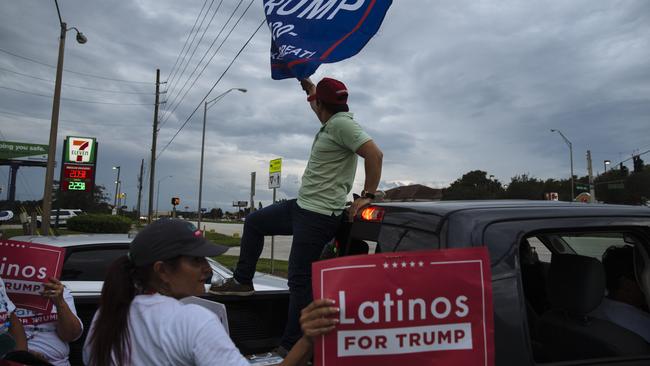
column 330, row 91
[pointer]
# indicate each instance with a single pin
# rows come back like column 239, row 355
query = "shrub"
column 100, row 223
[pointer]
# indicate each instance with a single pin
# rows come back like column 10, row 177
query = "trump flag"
column 307, row 33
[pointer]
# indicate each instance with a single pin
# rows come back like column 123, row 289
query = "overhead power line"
column 197, row 46
column 632, row 157
column 71, row 99
column 174, row 70
column 74, row 86
column 166, row 118
column 212, row 88
column 171, row 85
column 73, row 72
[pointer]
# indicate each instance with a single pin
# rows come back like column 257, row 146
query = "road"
column 282, row 246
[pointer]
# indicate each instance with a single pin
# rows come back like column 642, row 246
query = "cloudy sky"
column 445, row 87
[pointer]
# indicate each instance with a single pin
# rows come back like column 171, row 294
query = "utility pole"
column 570, row 145
column 592, row 191
column 140, row 187
column 152, row 170
column 205, row 112
column 54, row 126
column 117, row 190
column 273, row 243
column 252, row 191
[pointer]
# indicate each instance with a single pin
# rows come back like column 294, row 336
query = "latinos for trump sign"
column 306, row 33
column 413, row 308
column 24, row 267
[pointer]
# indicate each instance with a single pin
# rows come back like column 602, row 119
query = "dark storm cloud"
column 443, row 88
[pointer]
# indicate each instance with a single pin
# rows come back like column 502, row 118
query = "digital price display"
column 78, row 172
column 77, row 177
column 76, row 186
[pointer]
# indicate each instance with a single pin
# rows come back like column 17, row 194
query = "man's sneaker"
column 232, row 287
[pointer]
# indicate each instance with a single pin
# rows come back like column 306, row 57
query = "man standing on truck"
column 314, row 217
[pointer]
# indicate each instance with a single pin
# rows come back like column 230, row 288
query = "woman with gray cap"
column 141, row 321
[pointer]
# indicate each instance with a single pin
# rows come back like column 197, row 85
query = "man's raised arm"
column 373, row 158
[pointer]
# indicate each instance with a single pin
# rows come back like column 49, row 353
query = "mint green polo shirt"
column 329, row 175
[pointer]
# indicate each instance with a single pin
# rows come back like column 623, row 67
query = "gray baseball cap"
column 168, row 238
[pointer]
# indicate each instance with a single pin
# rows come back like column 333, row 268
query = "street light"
column 571, row 157
column 606, row 162
column 117, row 187
column 54, row 126
column 158, row 192
column 205, row 112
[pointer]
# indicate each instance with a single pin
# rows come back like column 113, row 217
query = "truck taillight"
column 372, row 213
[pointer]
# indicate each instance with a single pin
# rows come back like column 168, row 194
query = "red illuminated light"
column 77, row 171
column 372, row 213
column 77, row 174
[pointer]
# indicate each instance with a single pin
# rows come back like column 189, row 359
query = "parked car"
column 530, row 326
column 255, row 321
column 63, row 215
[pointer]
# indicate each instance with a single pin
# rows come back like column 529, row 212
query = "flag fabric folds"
column 307, row 33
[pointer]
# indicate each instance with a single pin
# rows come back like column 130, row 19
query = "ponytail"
column 109, row 342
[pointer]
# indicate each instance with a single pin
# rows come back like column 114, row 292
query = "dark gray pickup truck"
column 547, row 275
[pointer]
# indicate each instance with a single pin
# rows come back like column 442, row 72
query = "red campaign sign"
column 408, row 308
column 24, row 267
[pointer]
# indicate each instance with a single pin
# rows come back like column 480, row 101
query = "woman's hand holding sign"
column 53, row 291
column 316, row 319
column 68, row 326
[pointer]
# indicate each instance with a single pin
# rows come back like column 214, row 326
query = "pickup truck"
column 514, row 232
column 538, row 319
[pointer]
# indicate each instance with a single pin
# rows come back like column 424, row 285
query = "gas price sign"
column 77, row 177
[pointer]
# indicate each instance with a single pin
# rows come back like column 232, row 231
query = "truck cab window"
column 400, row 239
column 569, row 282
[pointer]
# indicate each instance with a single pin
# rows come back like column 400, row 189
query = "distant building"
column 414, row 192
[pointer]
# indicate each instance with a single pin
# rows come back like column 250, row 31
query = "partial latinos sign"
column 24, row 267
column 416, row 308
column 306, row 33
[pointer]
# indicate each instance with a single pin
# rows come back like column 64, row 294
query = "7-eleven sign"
column 80, row 150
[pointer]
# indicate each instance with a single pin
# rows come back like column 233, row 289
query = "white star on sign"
column 385, row 265
column 403, row 264
column 420, row 263
column 412, row 264
column 394, row 264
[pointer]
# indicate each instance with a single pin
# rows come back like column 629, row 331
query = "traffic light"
column 176, row 201
column 638, row 164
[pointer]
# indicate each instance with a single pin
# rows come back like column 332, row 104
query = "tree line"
column 616, row 186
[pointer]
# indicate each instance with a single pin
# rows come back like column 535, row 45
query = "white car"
column 88, row 256
column 64, row 215
column 256, row 322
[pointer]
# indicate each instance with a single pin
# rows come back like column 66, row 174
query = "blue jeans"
column 310, row 230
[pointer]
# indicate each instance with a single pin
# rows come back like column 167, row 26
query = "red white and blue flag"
column 307, row 33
